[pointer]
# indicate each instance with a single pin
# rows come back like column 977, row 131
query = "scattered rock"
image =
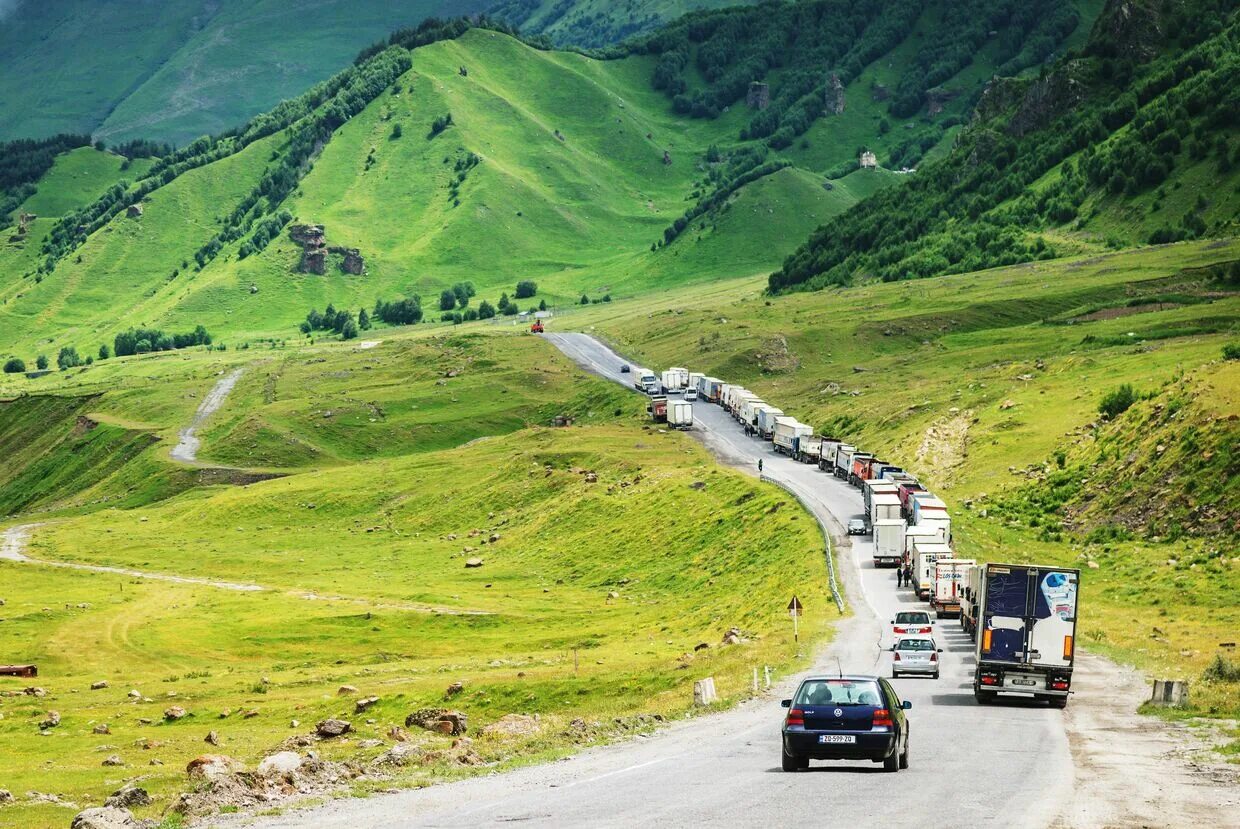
column 53, row 720
column 251, row 714
column 127, row 797
column 174, row 713
column 102, row 728
column 398, row 734
column 333, row 728
column 612, row 594
column 113, row 760
column 99, row 686
column 5, row 796
column 279, row 764
column 441, row 720
column 591, row 478
column 294, row 723
column 104, row 817
column 454, row 689
column 212, row 766
column 701, row 646
column 34, row 692
column 212, row 738
column 364, row 703
column 473, row 562
column 398, row 755
column 1007, row 404
column 346, row 689
column 134, row 694
column 513, row 725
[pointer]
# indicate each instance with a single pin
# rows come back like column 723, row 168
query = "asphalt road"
column 1006, row 765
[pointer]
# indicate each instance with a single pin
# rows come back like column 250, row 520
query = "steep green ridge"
column 175, row 70
column 570, row 188
column 596, row 23
column 1131, row 140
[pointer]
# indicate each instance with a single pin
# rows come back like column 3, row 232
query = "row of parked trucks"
column 1021, row 617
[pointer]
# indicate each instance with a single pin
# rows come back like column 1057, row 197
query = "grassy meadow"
column 359, row 549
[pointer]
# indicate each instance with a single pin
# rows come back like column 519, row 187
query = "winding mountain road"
column 1001, row 765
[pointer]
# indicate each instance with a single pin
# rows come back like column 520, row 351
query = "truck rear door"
column 1030, row 615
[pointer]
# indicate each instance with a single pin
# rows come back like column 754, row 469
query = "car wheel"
column 936, row 675
column 904, row 756
column 791, row 762
column 895, row 674
column 892, row 763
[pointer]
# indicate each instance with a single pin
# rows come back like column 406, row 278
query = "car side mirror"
column 892, row 648
column 892, row 622
column 906, row 705
column 786, row 703
column 940, row 650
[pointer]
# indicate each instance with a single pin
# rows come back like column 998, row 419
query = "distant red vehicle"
column 537, row 327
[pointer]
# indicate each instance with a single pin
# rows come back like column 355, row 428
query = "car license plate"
column 1024, row 682
column 836, row 738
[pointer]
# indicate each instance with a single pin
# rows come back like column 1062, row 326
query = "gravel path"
column 186, row 450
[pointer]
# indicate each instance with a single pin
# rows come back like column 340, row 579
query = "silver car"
column 915, row 655
column 691, row 394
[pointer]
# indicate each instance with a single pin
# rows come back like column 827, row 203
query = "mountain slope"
column 1134, row 139
column 175, row 70
column 596, row 23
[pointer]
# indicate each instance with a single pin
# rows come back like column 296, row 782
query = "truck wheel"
column 1058, row 702
column 983, row 697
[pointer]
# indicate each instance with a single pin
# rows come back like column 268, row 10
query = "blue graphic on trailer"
column 1029, row 612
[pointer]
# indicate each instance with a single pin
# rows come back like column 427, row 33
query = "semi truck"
column 871, row 489
column 713, row 386
column 925, row 554
column 765, row 425
column 843, row 457
column 786, row 432
column 646, row 381
column 740, row 403
column 1026, row 632
column 749, row 414
column 859, row 467
column 657, row 409
column 680, row 414
column 826, row 460
column 888, row 542
column 905, row 490
column 949, row 580
column 925, row 505
column 694, row 380
column 969, row 599
column 675, row 379
column 807, row 449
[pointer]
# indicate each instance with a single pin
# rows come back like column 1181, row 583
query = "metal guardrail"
column 835, row 589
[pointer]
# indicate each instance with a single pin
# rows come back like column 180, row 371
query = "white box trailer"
column 749, row 414
column 925, row 554
column 786, row 432
column 732, row 396
column 826, row 457
column 875, row 487
column 843, row 460
column 925, row 505
column 888, row 542
column 675, row 379
column 766, row 420
column 969, row 598
column 710, row 388
column 679, row 414
column 741, row 402
column 941, row 527
column 694, row 379
column 885, row 507
column 949, row 581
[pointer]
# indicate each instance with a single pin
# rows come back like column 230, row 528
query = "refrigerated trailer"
column 826, row 459
column 843, row 457
column 925, row 554
column 675, row 379
column 885, row 506
column 765, row 425
column 873, row 488
column 749, row 414
column 1026, row 632
column 679, row 414
column 807, row 449
column 949, row 581
column 969, row 598
column 888, row 542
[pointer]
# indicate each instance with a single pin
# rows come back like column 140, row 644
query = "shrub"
column 1221, row 669
column 447, row 300
column 41, row 362
column 1115, row 403
column 526, row 288
column 68, row 358
column 1231, row 351
column 14, row 365
column 104, row 352
column 397, row 132
column 585, row 300
column 485, row 310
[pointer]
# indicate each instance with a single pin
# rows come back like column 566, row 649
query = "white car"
column 691, row 394
column 915, row 655
column 911, row 623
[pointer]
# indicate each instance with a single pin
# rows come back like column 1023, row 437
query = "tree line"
column 133, row 341
column 24, row 161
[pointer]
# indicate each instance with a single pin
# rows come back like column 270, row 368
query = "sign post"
column 795, row 609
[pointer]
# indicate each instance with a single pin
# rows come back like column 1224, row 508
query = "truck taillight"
column 990, row 680
column 1067, row 647
column 882, row 717
column 1059, row 684
column 795, row 717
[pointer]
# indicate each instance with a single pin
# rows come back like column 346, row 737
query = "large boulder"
column 212, row 766
column 333, row 728
column 280, row 764
column 513, row 725
column 128, row 797
column 440, row 720
column 174, row 712
column 53, row 720
column 104, row 817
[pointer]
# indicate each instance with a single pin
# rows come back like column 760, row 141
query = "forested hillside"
column 455, row 152
column 596, row 23
column 1130, row 140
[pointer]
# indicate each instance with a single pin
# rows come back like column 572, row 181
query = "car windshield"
column 912, row 618
column 841, row 692
column 916, row 644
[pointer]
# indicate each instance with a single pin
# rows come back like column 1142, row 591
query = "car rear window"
column 912, row 618
column 916, row 645
column 840, row 692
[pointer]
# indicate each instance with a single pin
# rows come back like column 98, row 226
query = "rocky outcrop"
column 759, row 96
column 1047, row 98
column 835, row 95
column 315, row 251
column 134, row 211
column 440, row 720
column 104, row 817
column 1130, row 29
column 879, row 91
column 936, row 98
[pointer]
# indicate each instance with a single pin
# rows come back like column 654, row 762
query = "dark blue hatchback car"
column 845, row 718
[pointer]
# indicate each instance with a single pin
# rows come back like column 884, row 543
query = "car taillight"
column 882, row 717
column 923, row 630
column 795, row 717
column 895, row 657
column 901, row 630
column 934, row 657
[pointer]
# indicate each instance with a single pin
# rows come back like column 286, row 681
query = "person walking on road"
column 759, row 466
column 900, row 576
